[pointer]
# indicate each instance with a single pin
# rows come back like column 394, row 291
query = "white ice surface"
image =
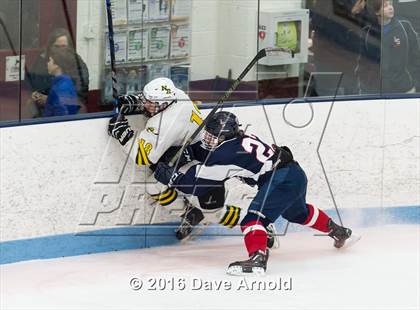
column 381, row 271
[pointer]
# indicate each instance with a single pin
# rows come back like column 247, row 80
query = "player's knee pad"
column 213, row 199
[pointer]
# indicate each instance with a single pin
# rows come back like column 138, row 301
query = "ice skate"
column 190, row 218
column 342, row 236
column 256, row 264
column 272, row 238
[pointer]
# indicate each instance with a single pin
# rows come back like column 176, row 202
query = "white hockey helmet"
column 161, row 92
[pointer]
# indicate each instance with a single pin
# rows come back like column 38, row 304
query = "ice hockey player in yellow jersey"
column 171, row 118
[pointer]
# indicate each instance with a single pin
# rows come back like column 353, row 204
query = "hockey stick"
column 112, row 53
column 68, row 21
column 261, row 54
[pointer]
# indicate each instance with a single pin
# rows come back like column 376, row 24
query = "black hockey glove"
column 186, row 157
column 166, row 157
column 119, row 128
column 166, row 174
column 131, row 104
column 282, row 156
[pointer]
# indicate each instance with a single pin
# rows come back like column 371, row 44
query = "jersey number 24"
column 262, row 151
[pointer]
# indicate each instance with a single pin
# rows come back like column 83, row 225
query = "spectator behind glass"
column 62, row 97
column 40, row 80
column 337, row 25
column 398, row 53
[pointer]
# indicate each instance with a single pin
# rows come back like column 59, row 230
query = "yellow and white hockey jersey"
column 170, row 127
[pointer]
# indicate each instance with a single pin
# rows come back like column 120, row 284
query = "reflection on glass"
column 280, row 75
column 336, row 27
column 10, row 15
column 40, row 79
column 62, row 98
column 204, row 48
column 392, row 43
column 288, row 35
column 9, row 68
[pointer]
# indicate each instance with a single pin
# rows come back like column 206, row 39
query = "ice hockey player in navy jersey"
column 225, row 152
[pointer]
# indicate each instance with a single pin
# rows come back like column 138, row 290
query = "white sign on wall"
column 159, row 43
column 159, row 9
column 12, row 68
column 180, row 41
column 119, row 12
column 120, row 45
column 138, row 11
column 137, row 44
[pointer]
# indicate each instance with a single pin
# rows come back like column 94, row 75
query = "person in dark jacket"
column 389, row 58
column 40, row 81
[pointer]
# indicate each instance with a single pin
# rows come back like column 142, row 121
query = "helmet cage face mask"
column 159, row 94
column 209, row 141
column 221, row 127
column 155, row 107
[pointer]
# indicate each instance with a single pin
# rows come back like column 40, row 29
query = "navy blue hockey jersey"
column 244, row 157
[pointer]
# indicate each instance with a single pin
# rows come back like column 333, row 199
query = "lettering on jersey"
column 196, row 115
column 195, row 118
column 143, row 152
column 262, row 151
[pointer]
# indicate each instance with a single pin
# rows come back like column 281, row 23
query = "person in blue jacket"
column 224, row 152
column 62, row 98
column 39, row 81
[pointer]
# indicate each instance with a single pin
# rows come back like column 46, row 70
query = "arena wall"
column 67, row 188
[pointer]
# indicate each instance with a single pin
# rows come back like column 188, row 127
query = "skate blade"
column 351, row 241
column 237, row 271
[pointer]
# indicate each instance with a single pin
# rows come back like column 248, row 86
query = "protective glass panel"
column 400, row 49
column 57, row 77
column 12, row 63
column 203, row 46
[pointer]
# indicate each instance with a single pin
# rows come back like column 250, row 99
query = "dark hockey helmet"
column 222, row 126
